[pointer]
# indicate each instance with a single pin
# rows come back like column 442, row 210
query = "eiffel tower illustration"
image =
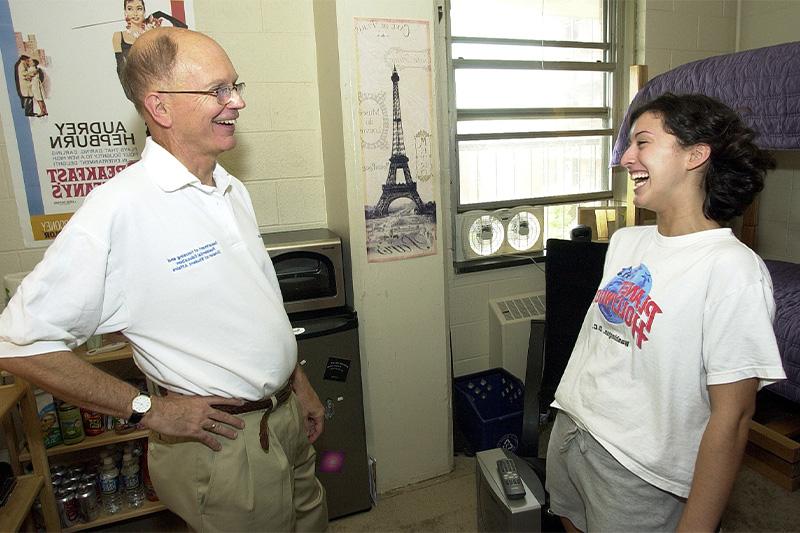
column 391, row 189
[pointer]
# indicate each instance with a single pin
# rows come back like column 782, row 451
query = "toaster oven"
column 309, row 267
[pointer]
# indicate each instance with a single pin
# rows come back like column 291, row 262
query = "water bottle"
column 134, row 492
column 109, row 477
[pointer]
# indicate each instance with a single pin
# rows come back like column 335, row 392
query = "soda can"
column 75, row 471
column 68, row 509
column 71, row 480
column 91, row 480
column 87, row 502
column 93, row 422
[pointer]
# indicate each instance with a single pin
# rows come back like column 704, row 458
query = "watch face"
column 141, row 404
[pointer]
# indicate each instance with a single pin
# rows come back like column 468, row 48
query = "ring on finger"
column 213, row 426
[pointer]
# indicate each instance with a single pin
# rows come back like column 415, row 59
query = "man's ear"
column 698, row 155
column 158, row 110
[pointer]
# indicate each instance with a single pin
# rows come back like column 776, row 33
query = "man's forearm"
column 70, row 378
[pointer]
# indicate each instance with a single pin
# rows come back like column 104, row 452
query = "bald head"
column 155, row 59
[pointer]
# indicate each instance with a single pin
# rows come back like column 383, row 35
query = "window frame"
column 612, row 91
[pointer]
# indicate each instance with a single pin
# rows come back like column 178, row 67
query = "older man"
column 169, row 253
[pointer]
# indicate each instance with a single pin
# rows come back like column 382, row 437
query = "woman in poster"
column 136, row 23
column 37, row 87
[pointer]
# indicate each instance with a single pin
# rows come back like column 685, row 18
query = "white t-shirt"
column 672, row 316
column 178, row 267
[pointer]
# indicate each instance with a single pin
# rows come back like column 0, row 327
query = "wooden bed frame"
column 773, row 447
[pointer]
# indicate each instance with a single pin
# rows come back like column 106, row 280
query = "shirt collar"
column 170, row 174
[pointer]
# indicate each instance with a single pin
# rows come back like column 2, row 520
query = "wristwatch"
column 139, row 407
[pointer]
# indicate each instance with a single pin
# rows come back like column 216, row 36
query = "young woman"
column 136, row 23
column 37, row 87
column 655, row 403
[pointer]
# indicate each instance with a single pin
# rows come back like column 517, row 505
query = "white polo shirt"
column 178, row 267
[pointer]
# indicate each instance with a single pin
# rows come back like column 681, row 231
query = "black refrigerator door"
column 327, row 348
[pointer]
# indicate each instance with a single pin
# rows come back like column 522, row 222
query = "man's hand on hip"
column 193, row 416
column 310, row 406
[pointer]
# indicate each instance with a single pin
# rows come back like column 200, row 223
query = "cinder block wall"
column 765, row 24
column 681, row 31
column 279, row 150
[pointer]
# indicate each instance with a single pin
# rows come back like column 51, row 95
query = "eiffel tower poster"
column 397, row 142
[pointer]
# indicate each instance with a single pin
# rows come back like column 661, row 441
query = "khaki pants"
column 242, row 487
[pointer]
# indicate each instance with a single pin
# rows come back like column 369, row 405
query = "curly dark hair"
column 736, row 166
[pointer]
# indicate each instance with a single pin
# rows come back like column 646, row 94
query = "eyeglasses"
column 223, row 94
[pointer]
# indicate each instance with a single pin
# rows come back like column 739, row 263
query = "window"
column 531, row 82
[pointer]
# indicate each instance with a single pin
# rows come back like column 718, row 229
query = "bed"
column 763, row 85
column 786, row 283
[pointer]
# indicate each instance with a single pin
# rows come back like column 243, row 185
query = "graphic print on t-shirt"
column 626, row 298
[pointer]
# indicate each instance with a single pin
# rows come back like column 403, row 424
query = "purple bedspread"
column 763, row 85
column 786, row 285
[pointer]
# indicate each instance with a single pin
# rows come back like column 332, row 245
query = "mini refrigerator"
column 327, row 349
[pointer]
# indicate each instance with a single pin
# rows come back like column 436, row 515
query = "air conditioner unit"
column 482, row 234
column 510, row 329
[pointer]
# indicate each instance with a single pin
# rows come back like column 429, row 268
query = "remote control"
column 512, row 484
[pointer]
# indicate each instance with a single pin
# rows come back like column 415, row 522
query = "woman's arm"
column 720, row 454
column 116, row 42
column 172, row 20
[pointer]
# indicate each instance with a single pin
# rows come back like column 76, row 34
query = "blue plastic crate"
column 488, row 409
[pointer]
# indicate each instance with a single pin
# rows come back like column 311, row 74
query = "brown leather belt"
column 267, row 404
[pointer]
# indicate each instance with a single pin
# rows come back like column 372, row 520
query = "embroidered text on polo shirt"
column 194, row 256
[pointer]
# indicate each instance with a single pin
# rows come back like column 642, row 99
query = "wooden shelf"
column 109, row 437
column 9, row 396
column 148, row 508
column 19, row 395
column 19, row 503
